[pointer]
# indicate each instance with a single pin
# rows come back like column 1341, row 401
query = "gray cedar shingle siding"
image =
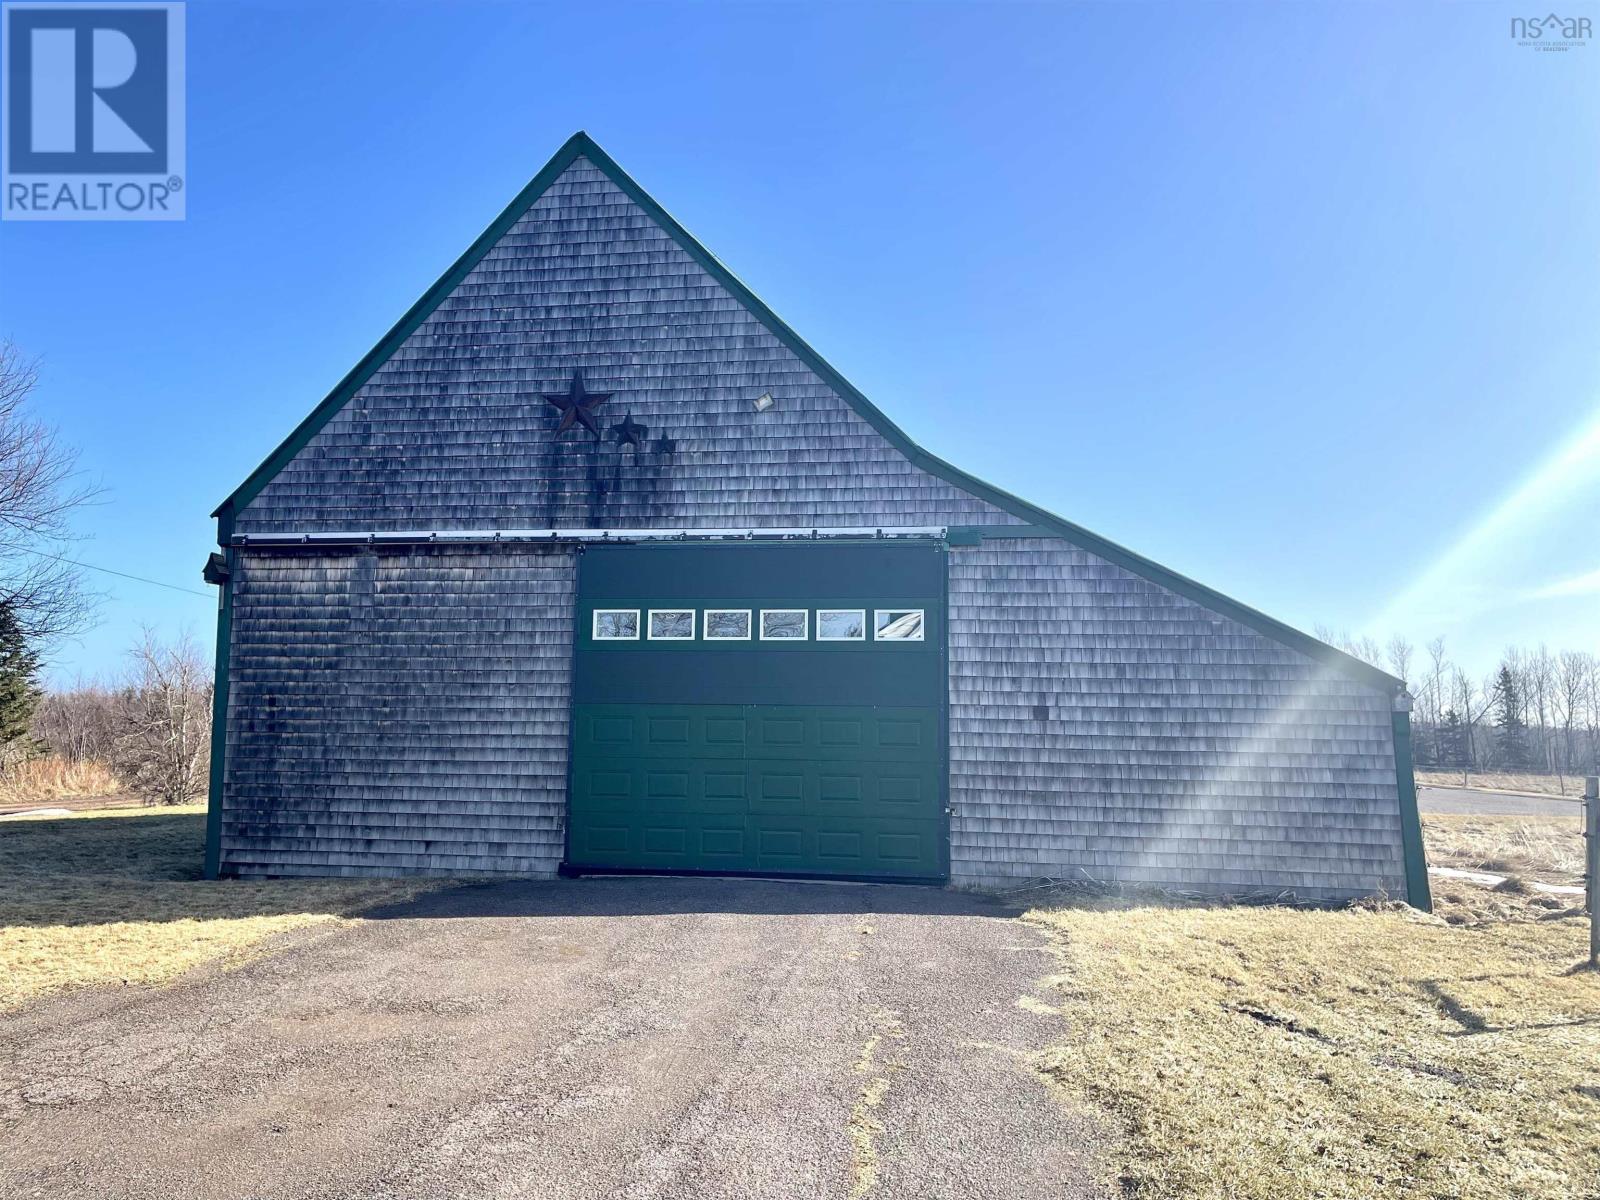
column 1179, row 748
column 400, row 711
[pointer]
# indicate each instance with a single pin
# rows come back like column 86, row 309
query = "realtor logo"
column 91, row 112
column 1552, row 32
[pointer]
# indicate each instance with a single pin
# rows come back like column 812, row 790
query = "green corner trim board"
column 1418, row 893
column 219, row 721
column 1041, row 523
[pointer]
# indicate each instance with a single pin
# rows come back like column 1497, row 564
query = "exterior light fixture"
column 763, row 402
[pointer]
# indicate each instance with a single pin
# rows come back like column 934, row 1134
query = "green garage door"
column 767, row 708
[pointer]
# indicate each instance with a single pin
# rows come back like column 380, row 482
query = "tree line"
column 1536, row 710
column 152, row 724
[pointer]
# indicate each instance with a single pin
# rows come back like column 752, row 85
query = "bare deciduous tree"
column 1399, row 653
column 79, row 722
column 1571, row 671
column 1472, row 704
column 1438, row 672
column 39, row 489
column 1539, row 673
column 1591, row 703
column 1365, row 648
column 162, row 748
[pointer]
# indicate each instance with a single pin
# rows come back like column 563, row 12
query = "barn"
column 593, row 564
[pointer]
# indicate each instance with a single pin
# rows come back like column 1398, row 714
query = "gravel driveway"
column 616, row 1037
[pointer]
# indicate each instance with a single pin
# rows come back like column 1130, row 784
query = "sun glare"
column 1454, row 585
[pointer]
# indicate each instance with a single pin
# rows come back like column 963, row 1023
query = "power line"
column 171, row 587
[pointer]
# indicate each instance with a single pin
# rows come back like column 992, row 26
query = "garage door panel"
column 839, row 792
column 724, row 843
column 613, row 730
column 779, row 787
column 842, row 846
column 617, row 783
column 668, row 840
column 597, row 838
column 666, row 732
column 726, row 731
column 671, row 841
column 778, row 732
column 901, row 734
column 725, row 788
column 666, row 790
column 606, row 788
column 906, row 793
column 859, row 788
column 909, row 852
column 653, row 785
column 844, row 733
column 625, row 731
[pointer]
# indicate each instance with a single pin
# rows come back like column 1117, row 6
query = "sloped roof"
column 1045, row 523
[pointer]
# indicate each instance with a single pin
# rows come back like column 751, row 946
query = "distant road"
column 73, row 803
column 1479, row 803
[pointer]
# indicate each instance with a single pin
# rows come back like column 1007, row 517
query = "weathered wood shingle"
column 398, row 711
column 1103, row 727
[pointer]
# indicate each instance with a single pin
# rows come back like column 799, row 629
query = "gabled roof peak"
column 1045, row 523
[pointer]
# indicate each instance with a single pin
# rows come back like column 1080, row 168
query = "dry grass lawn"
column 40, row 780
column 115, row 897
column 1549, row 849
column 1544, row 785
column 1370, row 1052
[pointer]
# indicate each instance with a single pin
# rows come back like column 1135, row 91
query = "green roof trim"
column 1044, row 523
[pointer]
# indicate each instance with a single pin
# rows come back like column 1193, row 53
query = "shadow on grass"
column 1463, row 1016
column 133, row 843
column 145, row 865
column 1473, row 1023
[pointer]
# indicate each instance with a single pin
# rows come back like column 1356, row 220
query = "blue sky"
column 1299, row 300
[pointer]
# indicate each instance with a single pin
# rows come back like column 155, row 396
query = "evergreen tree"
column 1424, row 745
column 1452, row 741
column 19, row 689
column 1513, row 738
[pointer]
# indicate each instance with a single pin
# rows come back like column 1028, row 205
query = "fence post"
column 1591, row 859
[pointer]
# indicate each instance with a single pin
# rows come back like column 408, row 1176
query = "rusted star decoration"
column 577, row 406
column 629, row 432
